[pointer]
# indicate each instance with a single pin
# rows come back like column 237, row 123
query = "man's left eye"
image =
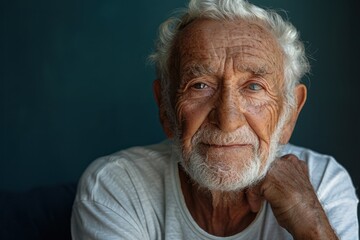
column 200, row 86
column 255, row 87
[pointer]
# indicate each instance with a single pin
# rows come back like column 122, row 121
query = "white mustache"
column 214, row 136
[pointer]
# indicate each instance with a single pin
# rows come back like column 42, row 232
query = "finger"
column 292, row 158
column 296, row 162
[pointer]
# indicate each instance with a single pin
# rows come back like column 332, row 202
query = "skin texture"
column 230, row 76
column 226, row 98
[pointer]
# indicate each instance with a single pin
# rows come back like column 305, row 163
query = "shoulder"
column 329, row 178
column 317, row 163
column 309, row 156
column 122, row 194
column 124, row 170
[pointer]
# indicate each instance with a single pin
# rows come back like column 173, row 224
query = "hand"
column 288, row 190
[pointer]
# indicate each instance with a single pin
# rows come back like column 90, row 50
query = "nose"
column 228, row 114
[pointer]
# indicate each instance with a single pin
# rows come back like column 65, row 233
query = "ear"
column 301, row 93
column 162, row 113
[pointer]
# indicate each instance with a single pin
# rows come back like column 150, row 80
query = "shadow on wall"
column 75, row 85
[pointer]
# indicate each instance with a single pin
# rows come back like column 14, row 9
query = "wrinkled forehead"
column 248, row 42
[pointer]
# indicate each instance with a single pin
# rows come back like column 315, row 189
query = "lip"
column 226, row 145
column 227, row 152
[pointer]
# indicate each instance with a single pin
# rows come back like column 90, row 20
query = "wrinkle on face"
column 227, row 57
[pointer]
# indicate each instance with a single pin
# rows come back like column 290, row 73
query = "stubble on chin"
column 218, row 173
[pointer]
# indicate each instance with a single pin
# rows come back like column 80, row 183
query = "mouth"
column 231, row 148
column 232, row 145
column 226, row 145
column 226, row 153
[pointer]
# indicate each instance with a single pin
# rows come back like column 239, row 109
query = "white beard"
column 218, row 175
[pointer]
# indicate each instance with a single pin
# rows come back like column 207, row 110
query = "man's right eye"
column 199, row 86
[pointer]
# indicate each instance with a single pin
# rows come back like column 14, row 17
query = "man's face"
column 229, row 98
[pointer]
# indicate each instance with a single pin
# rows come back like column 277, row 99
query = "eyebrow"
column 255, row 69
column 198, row 70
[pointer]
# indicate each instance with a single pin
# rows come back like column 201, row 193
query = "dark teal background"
column 75, row 84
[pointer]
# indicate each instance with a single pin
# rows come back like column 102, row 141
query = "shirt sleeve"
column 91, row 220
column 337, row 195
column 108, row 204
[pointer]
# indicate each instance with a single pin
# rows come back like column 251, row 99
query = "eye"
column 254, row 87
column 200, row 86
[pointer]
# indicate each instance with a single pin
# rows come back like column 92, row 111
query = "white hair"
column 296, row 64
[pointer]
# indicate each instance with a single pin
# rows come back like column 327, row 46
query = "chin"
column 229, row 175
column 215, row 163
column 227, row 170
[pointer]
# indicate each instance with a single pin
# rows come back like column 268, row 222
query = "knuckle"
column 291, row 157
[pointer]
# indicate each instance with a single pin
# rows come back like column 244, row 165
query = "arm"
column 294, row 202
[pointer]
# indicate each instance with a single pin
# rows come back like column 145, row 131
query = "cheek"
column 191, row 116
column 263, row 120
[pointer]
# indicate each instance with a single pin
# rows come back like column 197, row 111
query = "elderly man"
column 229, row 96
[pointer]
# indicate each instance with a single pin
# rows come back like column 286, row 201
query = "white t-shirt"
column 135, row 194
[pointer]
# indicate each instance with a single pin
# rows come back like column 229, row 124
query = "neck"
column 218, row 213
